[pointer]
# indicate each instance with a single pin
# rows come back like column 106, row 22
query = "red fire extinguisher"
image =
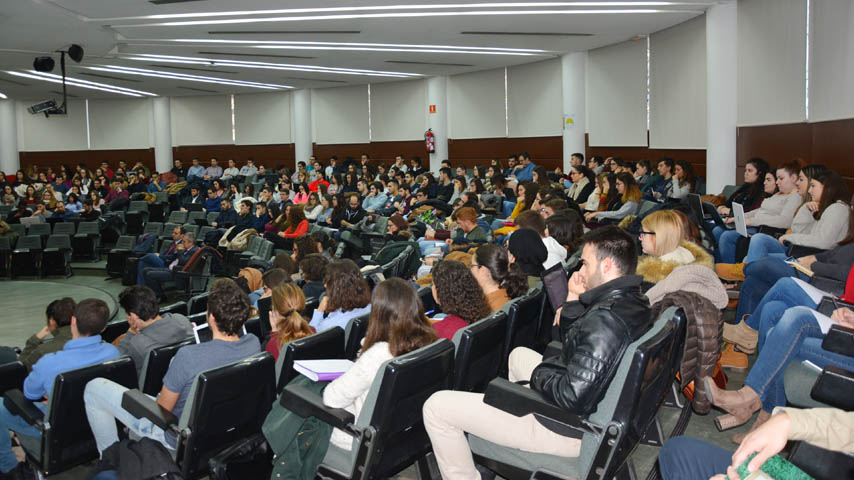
column 430, row 141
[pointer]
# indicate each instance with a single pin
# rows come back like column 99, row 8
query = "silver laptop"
column 738, row 215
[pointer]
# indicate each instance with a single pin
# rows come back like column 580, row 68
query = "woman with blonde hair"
column 630, row 197
column 673, row 263
column 286, row 321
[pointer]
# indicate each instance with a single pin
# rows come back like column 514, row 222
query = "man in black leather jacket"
column 604, row 312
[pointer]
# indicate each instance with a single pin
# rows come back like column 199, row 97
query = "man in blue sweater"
column 85, row 348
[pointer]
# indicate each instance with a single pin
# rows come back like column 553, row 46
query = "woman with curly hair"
column 286, row 322
column 458, row 293
column 499, row 279
column 347, row 296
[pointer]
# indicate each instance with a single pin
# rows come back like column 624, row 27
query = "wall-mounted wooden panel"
column 379, row 152
column 91, row 158
column 545, row 151
column 828, row 143
column 267, row 155
column 697, row 158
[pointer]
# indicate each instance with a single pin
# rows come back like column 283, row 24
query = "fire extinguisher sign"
column 432, row 108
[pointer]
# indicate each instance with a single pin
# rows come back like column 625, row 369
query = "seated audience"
column 228, row 310
column 604, row 312
column 821, row 223
column 776, row 211
column 147, row 328
column 154, row 277
column 286, row 321
column 347, row 296
column 270, row 280
column 499, row 279
column 684, row 180
column 296, row 226
column 155, row 260
column 625, row 202
column 58, row 313
column 752, row 192
column 567, row 227
column 85, row 348
column 461, row 298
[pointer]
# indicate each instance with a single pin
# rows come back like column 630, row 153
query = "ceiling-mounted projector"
column 45, row 106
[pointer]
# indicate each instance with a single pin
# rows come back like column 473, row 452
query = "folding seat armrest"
column 306, row 403
column 830, row 285
column 18, row 404
column 519, row 400
column 839, row 340
column 547, row 475
column 178, row 307
column 834, row 387
column 553, row 349
column 141, row 405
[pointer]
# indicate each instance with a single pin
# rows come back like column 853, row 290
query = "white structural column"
column 573, row 89
column 9, row 160
column 301, row 124
column 721, row 95
column 162, row 134
column 437, row 94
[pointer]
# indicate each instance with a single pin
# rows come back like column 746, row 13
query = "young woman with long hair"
column 460, row 296
column 313, row 207
column 286, row 321
column 347, row 296
column 629, row 196
column 396, row 327
column 499, row 279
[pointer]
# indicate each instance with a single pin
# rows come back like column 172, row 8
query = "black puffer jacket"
column 596, row 331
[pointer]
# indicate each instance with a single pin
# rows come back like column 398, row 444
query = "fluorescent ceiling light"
column 147, row 57
column 369, row 8
column 78, row 83
column 183, row 76
column 343, row 44
column 94, row 84
column 2, row 96
column 397, row 15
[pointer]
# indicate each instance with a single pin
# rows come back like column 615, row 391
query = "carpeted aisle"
column 23, row 304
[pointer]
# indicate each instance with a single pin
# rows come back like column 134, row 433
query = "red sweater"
column 312, row 187
column 448, row 326
column 301, row 230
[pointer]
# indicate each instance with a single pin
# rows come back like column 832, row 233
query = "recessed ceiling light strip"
column 181, row 76
column 87, row 82
column 368, row 8
column 231, row 21
column 72, row 83
column 276, row 66
column 2, row 96
column 342, row 44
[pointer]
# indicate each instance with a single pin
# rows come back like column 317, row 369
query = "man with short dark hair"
column 604, row 312
column 313, row 268
column 85, row 348
column 227, row 215
column 147, row 328
column 58, row 326
column 228, row 310
column 576, row 160
column 195, row 198
column 445, row 189
column 525, row 171
column 213, row 172
column 179, row 170
column 195, row 172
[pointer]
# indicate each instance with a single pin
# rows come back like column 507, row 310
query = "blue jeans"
column 9, row 421
column 149, row 260
column 725, row 241
column 686, row 458
column 426, row 245
column 760, row 276
column 796, row 337
column 762, row 245
column 786, row 293
column 103, row 399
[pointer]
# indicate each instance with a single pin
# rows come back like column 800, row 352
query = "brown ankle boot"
column 739, row 404
column 760, row 419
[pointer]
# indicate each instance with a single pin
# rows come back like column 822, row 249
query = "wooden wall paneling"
column 91, row 158
column 267, row 155
column 697, row 158
column 545, row 151
column 833, row 145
